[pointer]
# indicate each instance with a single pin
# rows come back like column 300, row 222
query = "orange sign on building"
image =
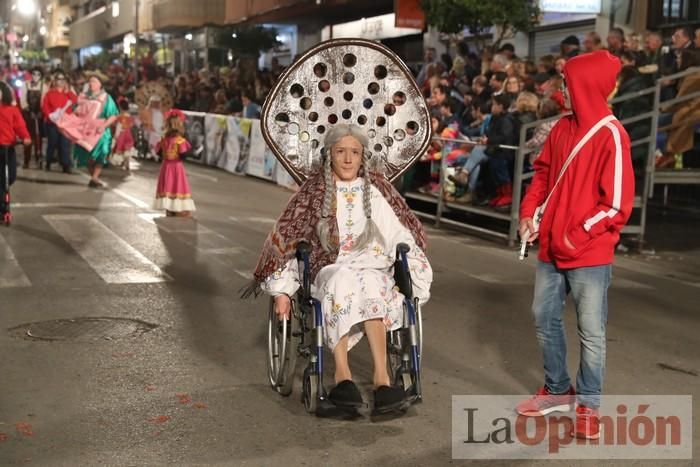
column 409, row 14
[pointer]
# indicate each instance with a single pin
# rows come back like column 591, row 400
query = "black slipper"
column 388, row 398
column 346, row 395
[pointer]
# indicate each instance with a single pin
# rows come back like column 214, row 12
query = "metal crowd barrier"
column 650, row 177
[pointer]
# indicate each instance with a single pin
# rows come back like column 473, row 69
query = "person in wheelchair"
column 353, row 219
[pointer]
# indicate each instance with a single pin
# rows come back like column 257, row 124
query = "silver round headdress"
column 351, row 81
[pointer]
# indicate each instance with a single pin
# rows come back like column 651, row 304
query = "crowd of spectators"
column 478, row 104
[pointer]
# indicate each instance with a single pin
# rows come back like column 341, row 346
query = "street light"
column 27, row 7
column 25, row 38
column 42, row 30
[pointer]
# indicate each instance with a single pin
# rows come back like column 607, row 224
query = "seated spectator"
column 652, row 49
column 512, row 88
column 447, row 113
column 498, row 64
column 547, row 109
column 555, row 91
column 616, row 41
column 220, row 103
column 482, row 90
column 526, row 106
column 496, row 83
column 500, row 131
column 570, row 47
column 631, row 81
column 204, row 100
column 250, row 108
column 559, row 65
column 697, row 38
column 530, row 69
column 592, row 42
column 508, row 50
column 546, row 65
column 480, row 119
column 630, row 58
column 438, row 96
column 686, row 114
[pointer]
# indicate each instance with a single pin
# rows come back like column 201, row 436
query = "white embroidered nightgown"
column 360, row 285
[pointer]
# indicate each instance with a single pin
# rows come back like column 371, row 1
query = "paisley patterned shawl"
column 298, row 223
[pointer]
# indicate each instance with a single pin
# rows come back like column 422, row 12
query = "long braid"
column 370, row 231
column 323, row 227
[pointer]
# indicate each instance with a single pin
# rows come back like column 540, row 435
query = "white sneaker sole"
column 548, row 410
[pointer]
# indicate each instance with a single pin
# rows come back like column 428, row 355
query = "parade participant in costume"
column 354, row 219
column 12, row 125
column 346, row 208
column 97, row 105
column 124, row 148
column 152, row 120
column 581, row 196
column 33, row 92
column 173, row 191
column 60, row 96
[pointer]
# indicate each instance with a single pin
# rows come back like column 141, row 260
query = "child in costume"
column 124, row 148
column 12, row 125
column 173, row 192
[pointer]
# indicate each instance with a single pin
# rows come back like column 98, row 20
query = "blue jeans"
column 472, row 164
column 56, row 140
column 589, row 289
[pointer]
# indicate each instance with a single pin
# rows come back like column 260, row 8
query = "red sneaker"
column 587, row 423
column 544, row 403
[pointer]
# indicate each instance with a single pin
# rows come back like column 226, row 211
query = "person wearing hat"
column 33, row 92
column 570, row 47
column 96, row 104
column 55, row 99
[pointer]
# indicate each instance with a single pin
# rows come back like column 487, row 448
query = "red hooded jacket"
column 595, row 196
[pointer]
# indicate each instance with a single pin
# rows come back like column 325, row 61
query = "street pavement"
column 193, row 390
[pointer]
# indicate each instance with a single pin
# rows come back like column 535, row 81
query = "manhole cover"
column 81, row 329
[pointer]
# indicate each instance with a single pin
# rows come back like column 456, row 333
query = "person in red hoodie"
column 55, row 99
column 584, row 212
column 11, row 126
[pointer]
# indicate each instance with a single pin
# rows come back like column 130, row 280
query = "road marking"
column 244, row 274
column 137, row 202
column 65, row 205
column 112, row 258
column 220, row 254
column 500, row 280
column 132, row 199
column 11, row 273
column 257, row 220
column 621, row 283
column 192, row 173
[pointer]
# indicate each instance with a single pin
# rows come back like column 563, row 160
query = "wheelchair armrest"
column 402, row 275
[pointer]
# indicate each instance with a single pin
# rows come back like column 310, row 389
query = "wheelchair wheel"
column 283, row 338
column 310, row 391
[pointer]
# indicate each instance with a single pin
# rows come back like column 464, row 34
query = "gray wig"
column 371, row 231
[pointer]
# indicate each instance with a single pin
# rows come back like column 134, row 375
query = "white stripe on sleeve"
column 617, row 182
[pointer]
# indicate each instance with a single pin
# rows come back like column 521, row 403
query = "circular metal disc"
column 346, row 81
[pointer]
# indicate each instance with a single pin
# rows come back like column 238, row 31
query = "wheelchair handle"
column 303, row 249
column 402, row 248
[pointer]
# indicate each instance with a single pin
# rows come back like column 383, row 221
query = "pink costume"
column 173, row 192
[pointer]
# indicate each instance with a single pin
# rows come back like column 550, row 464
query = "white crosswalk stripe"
column 11, row 273
column 112, row 258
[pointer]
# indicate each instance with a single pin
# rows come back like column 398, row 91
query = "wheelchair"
column 302, row 336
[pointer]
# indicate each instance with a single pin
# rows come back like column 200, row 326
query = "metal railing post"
column 517, row 187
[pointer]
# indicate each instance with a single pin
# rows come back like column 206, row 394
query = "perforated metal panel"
column 352, row 81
